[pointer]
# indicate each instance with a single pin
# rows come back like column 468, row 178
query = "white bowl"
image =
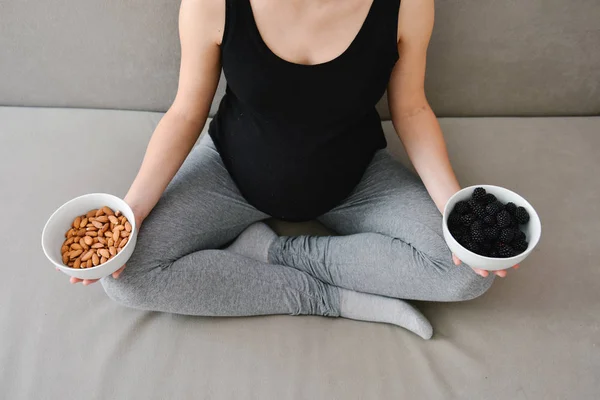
column 53, row 235
column 532, row 230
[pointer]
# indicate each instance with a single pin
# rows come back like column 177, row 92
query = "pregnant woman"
column 296, row 137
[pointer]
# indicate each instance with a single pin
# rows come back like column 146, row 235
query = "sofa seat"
column 533, row 335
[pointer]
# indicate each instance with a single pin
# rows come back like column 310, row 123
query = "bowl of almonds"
column 91, row 236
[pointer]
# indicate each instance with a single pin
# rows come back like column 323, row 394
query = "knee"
column 467, row 285
column 129, row 290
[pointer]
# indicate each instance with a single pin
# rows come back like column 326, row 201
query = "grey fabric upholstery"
column 534, row 335
column 535, row 57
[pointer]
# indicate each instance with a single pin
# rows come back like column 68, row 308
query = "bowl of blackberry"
column 490, row 227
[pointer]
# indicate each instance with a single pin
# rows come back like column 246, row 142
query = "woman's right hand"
column 117, row 273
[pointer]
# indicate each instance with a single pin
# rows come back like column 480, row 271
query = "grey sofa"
column 517, row 87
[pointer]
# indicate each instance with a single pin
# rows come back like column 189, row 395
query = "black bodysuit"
column 296, row 139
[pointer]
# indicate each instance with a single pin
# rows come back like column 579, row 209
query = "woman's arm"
column 413, row 119
column 200, row 28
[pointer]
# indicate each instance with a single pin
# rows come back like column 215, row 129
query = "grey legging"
column 393, row 246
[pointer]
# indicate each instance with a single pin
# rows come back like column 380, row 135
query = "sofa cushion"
column 535, row 57
column 534, row 335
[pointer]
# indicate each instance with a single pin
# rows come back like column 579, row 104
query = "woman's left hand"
column 483, row 272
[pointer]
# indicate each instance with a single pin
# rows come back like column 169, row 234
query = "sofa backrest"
column 487, row 57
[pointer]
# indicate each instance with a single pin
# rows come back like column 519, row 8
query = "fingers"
column 75, row 280
column 501, row 274
column 516, row 266
column 481, row 272
column 118, row 272
column 455, row 259
column 89, row 281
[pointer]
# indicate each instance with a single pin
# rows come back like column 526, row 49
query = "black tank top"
column 296, row 139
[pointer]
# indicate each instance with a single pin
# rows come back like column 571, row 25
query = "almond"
column 65, row 257
column 97, row 246
column 95, row 259
column 92, row 213
column 77, row 263
column 110, row 242
column 64, row 249
column 70, row 264
column 91, row 233
column 103, row 260
column 77, row 222
column 113, row 219
column 104, row 253
column 108, row 234
column 124, row 234
column 123, row 242
column 81, row 232
column 88, row 240
column 84, row 222
column 128, row 227
column 75, row 246
column 117, row 213
column 122, row 219
column 83, row 245
column 69, row 241
column 107, row 211
column 75, row 253
column 102, row 218
column 101, row 240
column 104, row 228
column 97, row 224
column 70, row 233
column 87, row 255
column 112, row 250
column 89, row 263
column 116, row 235
column 99, row 212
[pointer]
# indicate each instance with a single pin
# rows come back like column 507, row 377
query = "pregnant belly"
column 294, row 189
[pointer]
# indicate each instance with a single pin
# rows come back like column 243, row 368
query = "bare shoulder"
column 203, row 16
column 415, row 20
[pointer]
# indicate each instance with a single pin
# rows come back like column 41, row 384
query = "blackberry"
column 467, row 219
column 479, row 194
column 462, row 207
column 493, row 253
column 519, row 236
column 514, row 224
column 458, row 232
column 506, row 251
column 507, row 235
column 520, row 246
column 503, row 219
column 486, row 246
column 492, row 232
column 479, row 210
column 510, row 207
column 522, row 215
column 477, row 225
column 472, row 246
column 490, row 220
column 489, row 198
column 493, row 208
column 453, row 219
column 478, row 236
